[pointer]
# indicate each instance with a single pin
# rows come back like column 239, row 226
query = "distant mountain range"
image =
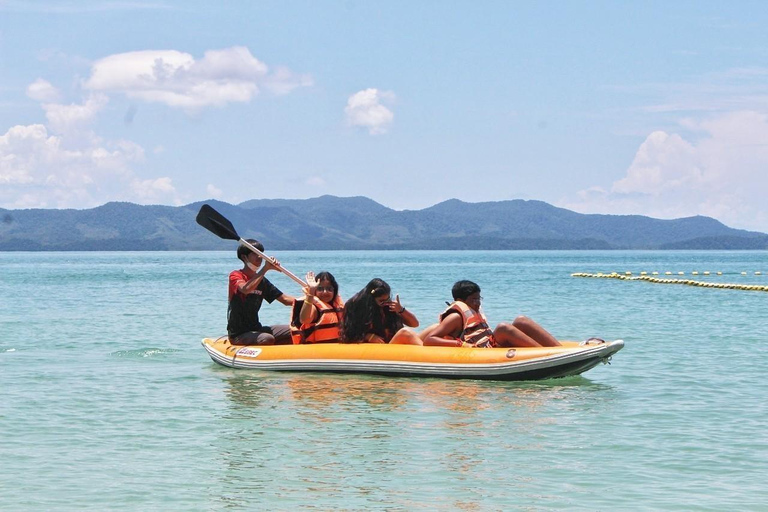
column 329, row 222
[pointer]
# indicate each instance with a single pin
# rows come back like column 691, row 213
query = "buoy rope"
column 659, row 280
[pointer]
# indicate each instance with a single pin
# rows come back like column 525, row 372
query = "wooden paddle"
column 220, row 226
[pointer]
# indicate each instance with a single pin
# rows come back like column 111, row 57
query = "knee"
column 505, row 327
column 428, row 331
column 406, row 336
column 522, row 320
column 266, row 339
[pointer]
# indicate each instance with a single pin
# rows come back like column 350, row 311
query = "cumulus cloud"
column 283, row 81
column 720, row 173
column 38, row 169
column 365, row 109
column 42, row 90
column 213, row 191
column 177, row 79
column 153, row 190
column 65, row 163
column 663, row 163
column 68, row 119
column 315, row 181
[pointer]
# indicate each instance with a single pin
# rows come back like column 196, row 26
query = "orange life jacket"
column 475, row 329
column 325, row 329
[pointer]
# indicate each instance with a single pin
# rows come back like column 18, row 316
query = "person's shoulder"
column 452, row 315
column 237, row 273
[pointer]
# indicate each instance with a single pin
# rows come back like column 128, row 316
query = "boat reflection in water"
column 376, row 441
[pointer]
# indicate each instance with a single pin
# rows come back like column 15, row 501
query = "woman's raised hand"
column 311, row 283
column 395, row 305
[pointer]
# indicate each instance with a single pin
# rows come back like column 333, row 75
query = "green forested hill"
column 330, row 222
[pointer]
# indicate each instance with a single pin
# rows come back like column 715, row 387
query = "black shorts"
column 280, row 333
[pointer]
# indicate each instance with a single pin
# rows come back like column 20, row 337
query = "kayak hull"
column 512, row 364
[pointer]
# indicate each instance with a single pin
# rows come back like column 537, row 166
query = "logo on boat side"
column 249, row 352
column 511, row 353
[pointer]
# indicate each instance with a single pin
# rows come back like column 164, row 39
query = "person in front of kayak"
column 464, row 324
column 371, row 316
column 248, row 289
column 317, row 318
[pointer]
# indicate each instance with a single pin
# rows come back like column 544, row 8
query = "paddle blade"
column 216, row 223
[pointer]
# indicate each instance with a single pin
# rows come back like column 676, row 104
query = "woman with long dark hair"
column 371, row 316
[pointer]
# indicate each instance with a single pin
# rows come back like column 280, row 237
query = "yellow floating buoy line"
column 690, row 282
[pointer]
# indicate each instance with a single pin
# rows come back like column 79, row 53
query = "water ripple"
column 145, row 352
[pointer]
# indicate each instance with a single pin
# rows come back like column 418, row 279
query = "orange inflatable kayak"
column 573, row 358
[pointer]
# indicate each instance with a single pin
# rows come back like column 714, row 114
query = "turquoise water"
column 108, row 401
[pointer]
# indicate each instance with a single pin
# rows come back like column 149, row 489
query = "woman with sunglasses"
column 317, row 318
column 371, row 316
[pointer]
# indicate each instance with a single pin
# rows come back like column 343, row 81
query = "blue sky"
column 652, row 108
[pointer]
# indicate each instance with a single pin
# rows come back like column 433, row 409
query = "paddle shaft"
column 271, row 260
column 220, row 226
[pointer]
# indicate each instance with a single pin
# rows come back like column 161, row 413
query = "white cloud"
column 315, row 181
column 178, row 80
column 213, row 191
column 721, row 173
column 283, row 81
column 67, row 119
column 158, row 189
column 42, row 90
column 42, row 170
column 37, row 169
column 364, row 109
column 663, row 163
column 65, row 163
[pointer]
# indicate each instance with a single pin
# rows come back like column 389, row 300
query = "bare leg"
column 427, row 331
column 535, row 332
column 507, row 335
column 405, row 336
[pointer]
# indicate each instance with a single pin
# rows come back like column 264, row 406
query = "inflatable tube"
column 573, row 358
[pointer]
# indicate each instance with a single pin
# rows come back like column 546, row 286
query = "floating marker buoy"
column 719, row 273
column 743, row 273
column 694, row 273
column 627, row 276
column 681, row 273
column 706, row 272
column 758, row 273
column 667, row 273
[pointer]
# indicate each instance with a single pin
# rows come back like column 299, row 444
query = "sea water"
column 109, row 402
